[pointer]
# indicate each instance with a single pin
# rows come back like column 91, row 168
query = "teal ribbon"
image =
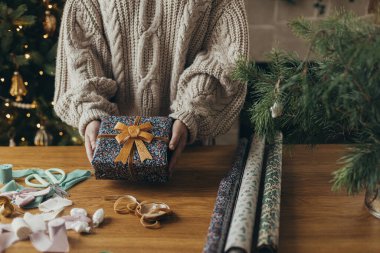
column 71, row 179
column 11, row 186
column 5, row 173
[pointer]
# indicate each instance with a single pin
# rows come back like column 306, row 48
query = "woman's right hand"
column 90, row 136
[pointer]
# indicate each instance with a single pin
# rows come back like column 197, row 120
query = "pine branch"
column 361, row 169
column 334, row 98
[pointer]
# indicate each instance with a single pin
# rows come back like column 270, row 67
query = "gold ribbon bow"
column 130, row 135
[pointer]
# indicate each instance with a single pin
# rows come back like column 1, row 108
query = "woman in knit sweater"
column 150, row 58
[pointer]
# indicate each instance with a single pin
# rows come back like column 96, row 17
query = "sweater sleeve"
column 207, row 100
column 84, row 84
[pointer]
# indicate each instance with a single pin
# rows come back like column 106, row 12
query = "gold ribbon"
column 6, row 207
column 149, row 212
column 130, row 136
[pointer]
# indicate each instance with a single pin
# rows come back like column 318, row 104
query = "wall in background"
column 268, row 22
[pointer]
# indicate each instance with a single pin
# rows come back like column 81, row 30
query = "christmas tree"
column 28, row 41
column 331, row 96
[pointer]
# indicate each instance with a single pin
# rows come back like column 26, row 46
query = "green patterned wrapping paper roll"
column 270, row 209
column 243, row 220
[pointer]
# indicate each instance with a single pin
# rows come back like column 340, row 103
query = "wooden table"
column 313, row 219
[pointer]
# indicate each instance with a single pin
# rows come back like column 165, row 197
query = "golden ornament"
column 50, row 23
column 42, row 138
column 18, row 88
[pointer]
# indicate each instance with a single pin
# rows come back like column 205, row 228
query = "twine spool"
column 5, row 173
column 21, row 228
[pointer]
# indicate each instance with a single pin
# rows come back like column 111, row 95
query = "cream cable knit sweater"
column 151, row 57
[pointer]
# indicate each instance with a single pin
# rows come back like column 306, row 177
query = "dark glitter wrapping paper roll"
column 270, row 209
column 151, row 170
column 225, row 202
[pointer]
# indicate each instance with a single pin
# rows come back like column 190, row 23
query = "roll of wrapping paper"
column 225, row 200
column 240, row 234
column 270, row 209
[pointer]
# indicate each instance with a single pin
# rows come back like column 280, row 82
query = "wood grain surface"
column 313, row 219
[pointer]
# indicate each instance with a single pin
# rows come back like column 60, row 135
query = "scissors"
column 50, row 175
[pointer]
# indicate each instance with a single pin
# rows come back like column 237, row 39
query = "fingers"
column 175, row 138
column 177, row 142
column 93, row 142
column 179, row 129
column 91, row 134
column 89, row 150
column 178, row 150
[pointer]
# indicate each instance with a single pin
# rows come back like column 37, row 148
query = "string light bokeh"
column 27, row 75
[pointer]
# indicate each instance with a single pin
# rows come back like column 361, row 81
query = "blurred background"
column 28, row 40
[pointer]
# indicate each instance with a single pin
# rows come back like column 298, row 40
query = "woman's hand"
column 90, row 136
column 177, row 142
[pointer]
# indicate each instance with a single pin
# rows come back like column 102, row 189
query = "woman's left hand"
column 177, row 142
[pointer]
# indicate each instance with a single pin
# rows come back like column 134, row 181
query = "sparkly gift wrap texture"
column 270, row 210
column 240, row 234
column 225, row 200
column 151, row 170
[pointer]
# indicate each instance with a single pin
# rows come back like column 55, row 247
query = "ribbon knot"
column 130, row 136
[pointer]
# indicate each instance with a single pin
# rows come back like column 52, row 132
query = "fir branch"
column 335, row 97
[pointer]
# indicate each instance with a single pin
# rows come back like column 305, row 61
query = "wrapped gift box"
column 108, row 148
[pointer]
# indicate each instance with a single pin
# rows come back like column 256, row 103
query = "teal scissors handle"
column 42, row 182
column 49, row 173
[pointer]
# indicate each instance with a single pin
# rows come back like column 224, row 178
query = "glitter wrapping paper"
column 270, row 209
column 240, row 234
column 225, row 201
column 151, row 170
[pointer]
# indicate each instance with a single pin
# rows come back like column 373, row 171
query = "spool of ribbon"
column 130, row 136
column 21, row 228
column 5, row 173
